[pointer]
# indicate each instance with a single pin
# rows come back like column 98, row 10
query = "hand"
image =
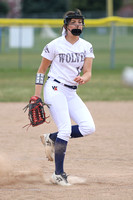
column 79, row 80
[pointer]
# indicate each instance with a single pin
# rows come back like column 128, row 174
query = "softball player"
column 67, row 56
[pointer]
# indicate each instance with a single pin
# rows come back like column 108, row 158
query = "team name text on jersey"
column 72, row 57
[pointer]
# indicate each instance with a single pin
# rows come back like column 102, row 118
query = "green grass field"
column 18, row 68
column 105, row 85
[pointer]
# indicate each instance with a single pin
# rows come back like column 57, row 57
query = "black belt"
column 74, row 87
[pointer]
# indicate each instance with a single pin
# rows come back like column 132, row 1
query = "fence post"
column 0, row 38
column 112, row 45
column 20, row 48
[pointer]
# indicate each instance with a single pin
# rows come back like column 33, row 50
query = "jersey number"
column 79, row 70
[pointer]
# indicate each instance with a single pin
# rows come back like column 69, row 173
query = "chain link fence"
column 21, row 44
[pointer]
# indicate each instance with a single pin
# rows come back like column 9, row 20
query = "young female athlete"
column 67, row 56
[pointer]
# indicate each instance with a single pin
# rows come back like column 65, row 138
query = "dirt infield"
column 104, row 159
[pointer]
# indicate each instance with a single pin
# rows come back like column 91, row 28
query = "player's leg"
column 82, row 116
column 51, row 138
column 60, row 114
column 61, row 117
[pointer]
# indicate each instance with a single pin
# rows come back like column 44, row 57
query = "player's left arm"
column 87, row 71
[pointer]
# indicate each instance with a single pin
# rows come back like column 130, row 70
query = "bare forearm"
column 83, row 79
column 38, row 89
column 86, row 72
column 86, row 76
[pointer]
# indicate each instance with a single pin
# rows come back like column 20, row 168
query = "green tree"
column 4, row 8
column 42, row 6
column 93, row 5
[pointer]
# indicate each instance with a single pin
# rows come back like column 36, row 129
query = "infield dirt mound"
column 9, row 175
column 104, row 160
column 33, row 175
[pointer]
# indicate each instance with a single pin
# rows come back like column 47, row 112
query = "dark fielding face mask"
column 76, row 31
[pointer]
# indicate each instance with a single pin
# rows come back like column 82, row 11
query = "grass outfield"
column 105, row 85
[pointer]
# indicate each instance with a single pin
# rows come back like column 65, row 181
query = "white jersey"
column 67, row 59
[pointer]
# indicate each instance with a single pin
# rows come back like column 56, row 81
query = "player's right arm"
column 45, row 63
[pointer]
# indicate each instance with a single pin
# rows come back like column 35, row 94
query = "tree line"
column 55, row 8
column 49, row 6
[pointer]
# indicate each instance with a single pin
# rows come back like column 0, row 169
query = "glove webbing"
column 37, row 117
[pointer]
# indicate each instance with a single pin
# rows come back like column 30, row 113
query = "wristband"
column 39, row 79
